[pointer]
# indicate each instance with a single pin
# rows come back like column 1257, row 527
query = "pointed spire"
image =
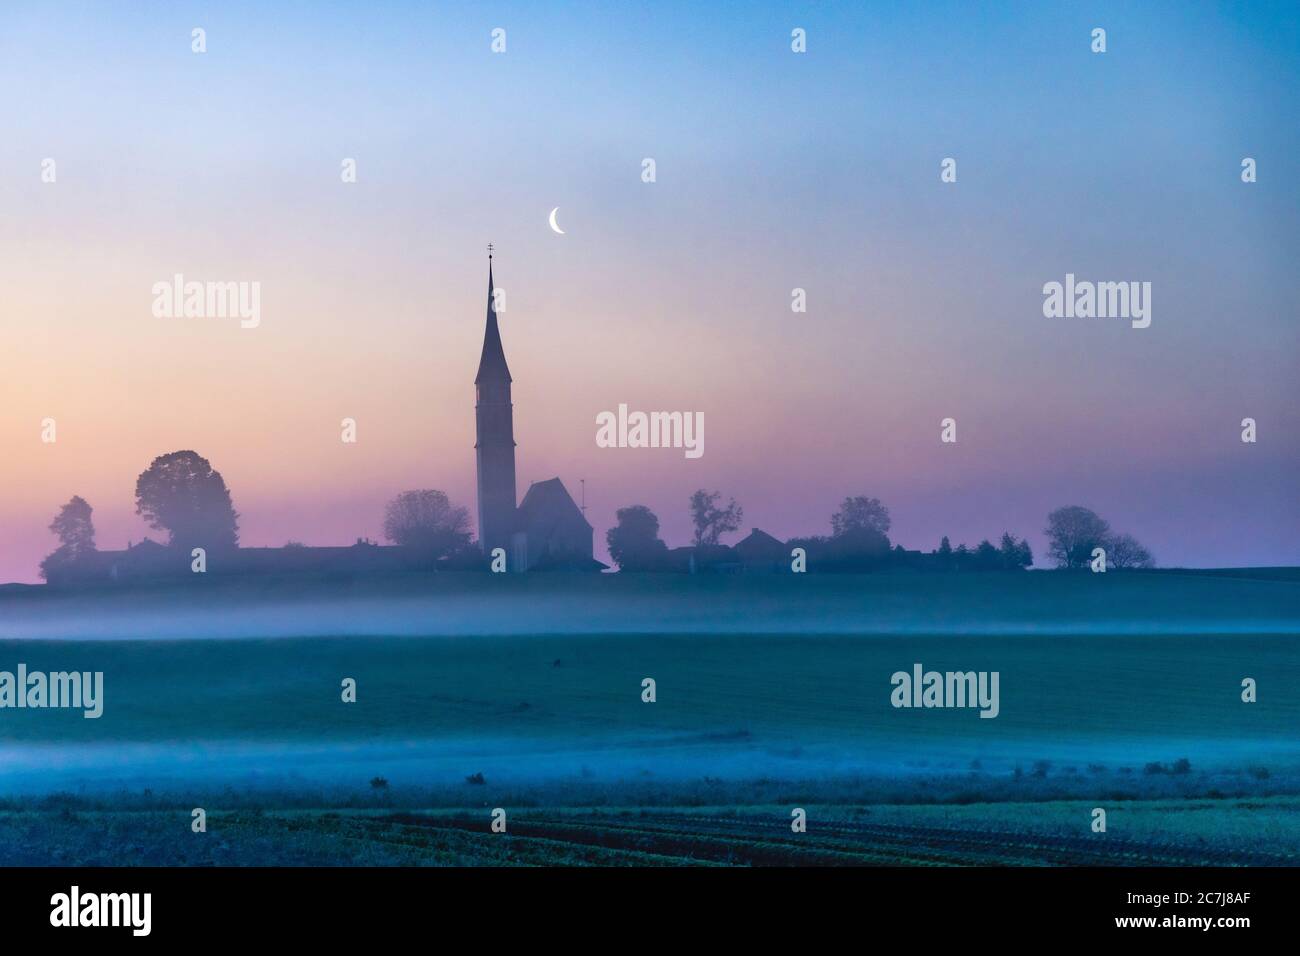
column 492, row 363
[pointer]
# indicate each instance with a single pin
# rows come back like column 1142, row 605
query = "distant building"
column 713, row 558
column 551, row 532
column 151, row 561
column 759, row 551
column 548, row 530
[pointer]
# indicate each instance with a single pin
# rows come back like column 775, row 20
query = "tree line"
column 182, row 495
column 859, row 539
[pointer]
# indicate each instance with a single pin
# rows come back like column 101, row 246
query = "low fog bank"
column 671, row 764
column 975, row 603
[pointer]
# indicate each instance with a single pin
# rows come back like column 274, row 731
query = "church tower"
column 495, row 436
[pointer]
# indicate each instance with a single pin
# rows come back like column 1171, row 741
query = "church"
column 547, row 530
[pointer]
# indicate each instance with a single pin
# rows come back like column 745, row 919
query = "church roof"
column 492, row 363
column 545, row 506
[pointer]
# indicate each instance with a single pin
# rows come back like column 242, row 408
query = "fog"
column 1030, row 603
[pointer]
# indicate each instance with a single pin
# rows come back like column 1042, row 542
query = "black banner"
column 332, row 905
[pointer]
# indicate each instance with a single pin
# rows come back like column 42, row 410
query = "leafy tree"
column 860, row 512
column 426, row 522
column 76, row 534
column 857, row 549
column 945, row 553
column 1124, row 551
column 712, row 522
column 181, row 494
column 1072, row 534
column 634, row 542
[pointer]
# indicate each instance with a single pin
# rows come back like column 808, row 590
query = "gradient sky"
column 775, row 170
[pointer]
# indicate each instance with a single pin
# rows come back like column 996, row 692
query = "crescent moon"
column 554, row 224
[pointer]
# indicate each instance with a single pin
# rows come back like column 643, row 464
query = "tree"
column 1124, row 551
column 181, row 494
column 1072, row 534
column 634, row 542
column 857, row 549
column 860, row 512
column 1014, row 554
column 986, row 556
column 712, row 522
column 945, row 553
column 76, row 534
column 426, row 522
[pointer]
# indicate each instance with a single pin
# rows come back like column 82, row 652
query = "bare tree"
column 427, row 522
column 1125, row 551
column 1072, row 533
column 712, row 522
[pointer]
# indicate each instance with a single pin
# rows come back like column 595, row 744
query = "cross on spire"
column 489, row 250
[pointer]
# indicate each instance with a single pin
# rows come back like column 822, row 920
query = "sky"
column 775, row 170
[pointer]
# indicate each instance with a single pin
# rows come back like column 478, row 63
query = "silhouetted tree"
column 1072, row 534
column 1124, row 551
column 987, row 557
column 181, row 494
column 860, row 512
column 76, row 534
column 945, row 553
column 814, row 547
column 1015, row 554
column 634, row 542
column 426, row 522
column 712, row 522
column 856, row 549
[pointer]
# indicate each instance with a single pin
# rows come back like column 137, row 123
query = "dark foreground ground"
column 1161, row 833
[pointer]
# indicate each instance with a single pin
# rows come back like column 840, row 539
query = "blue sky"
column 775, row 171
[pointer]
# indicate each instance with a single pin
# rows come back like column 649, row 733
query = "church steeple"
column 495, row 436
column 492, row 363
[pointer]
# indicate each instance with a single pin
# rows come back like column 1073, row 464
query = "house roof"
column 148, row 544
column 759, row 544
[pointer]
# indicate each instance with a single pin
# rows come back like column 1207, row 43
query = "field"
column 1156, row 832
column 1130, row 702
